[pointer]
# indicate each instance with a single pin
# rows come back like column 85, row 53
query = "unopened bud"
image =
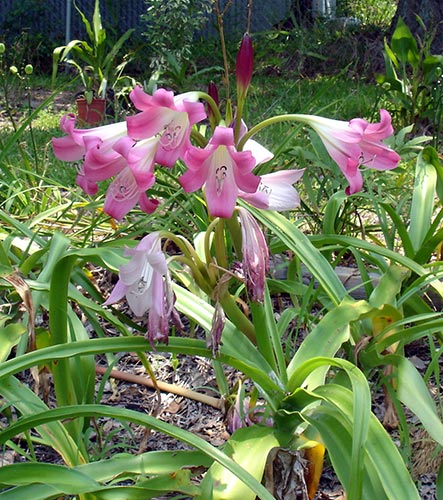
column 29, row 69
column 213, row 92
column 13, row 70
column 245, row 64
column 2, row 48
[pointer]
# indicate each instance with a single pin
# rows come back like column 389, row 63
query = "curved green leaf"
column 422, row 208
column 79, row 411
column 248, row 447
column 300, row 244
column 327, row 338
column 385, row 468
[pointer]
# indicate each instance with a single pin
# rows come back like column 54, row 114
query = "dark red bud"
column 245, row 64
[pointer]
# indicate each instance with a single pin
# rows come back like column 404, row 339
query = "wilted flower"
column 356, row 143
column 145, row 282
column 222, row 169
column 255, row 255
column 246, row 412
column 213, row 93
column 218, row 323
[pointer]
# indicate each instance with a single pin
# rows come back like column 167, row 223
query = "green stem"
column 234, row 228
column 238, row 118
column 237, row 317
column 198, row 138
column 213, row 105
column 271, row 121
column 220, row 245
column 202, row 274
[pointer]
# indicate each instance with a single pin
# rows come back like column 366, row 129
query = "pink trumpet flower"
column 145, row 283
column 275, row 191
column 356, row 143
column 255, row 255
column 167, row 117
column 222, row 169
column 73, row 146
column 124, row 193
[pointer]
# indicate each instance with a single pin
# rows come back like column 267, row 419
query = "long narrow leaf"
column 298, row 243
column 123, row 414
column 422, row 207
column 359, row 414
column 384, row 456
column 326, row 339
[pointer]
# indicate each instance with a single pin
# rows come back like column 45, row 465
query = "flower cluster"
column 163, row 132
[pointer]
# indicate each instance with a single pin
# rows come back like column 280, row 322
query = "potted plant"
column 95, row 62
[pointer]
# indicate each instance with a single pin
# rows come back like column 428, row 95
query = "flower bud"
column 2, row 48
column 245, row 64
column 212, row 92
column 13, row 70
column 29, row 69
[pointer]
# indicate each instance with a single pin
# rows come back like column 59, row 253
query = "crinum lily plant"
column 292, row 404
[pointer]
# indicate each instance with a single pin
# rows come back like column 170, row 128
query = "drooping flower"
column 145, row 283
column 168, row 117
column 356, row 143
column 255, row 255
column 244, row 65
column 222, row 169
column 275, row 191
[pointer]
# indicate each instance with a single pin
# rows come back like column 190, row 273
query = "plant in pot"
column 95, row 62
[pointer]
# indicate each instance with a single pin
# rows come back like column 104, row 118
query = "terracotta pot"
column 91, row 113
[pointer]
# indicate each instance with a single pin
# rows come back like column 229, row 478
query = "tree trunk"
column 431, row 14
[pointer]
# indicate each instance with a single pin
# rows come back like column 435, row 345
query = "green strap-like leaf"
column 422, row 208
column 298, row 243
column 383, row 465
column 249, row 447
column 325, row 340
column 412, row 391
column 122, row 414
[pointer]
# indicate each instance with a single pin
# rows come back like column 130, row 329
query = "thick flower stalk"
column 356, row 144
column 145, row 282
column 255, row 255
column 222, row 170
